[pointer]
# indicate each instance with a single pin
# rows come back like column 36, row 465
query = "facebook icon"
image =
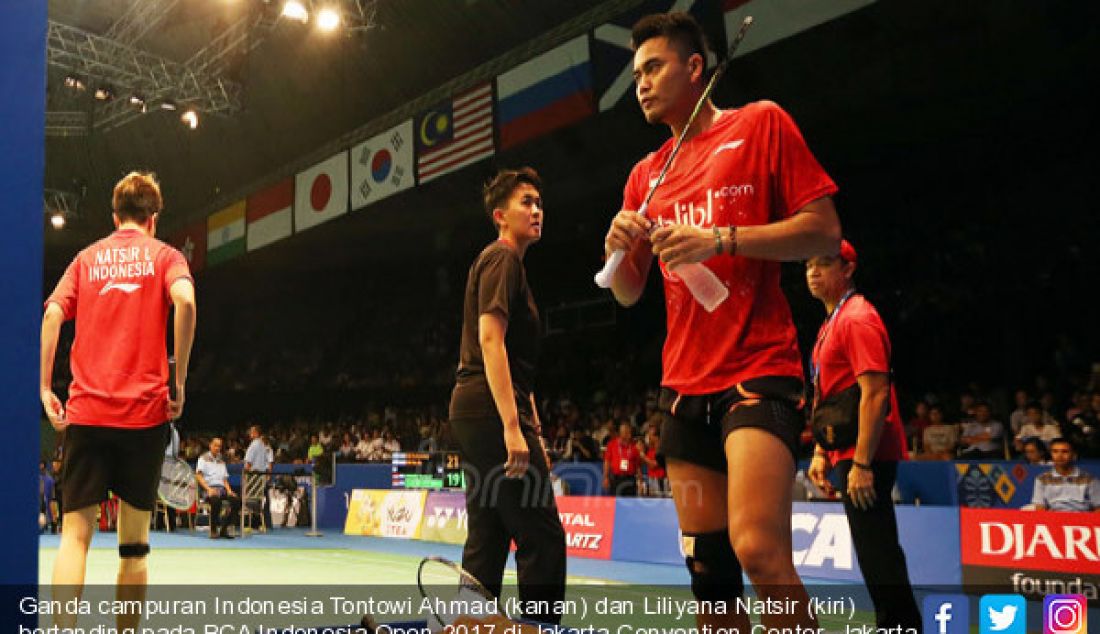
column 946, row 614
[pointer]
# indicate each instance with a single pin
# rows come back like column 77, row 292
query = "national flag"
column 775, row 20
column 270, row 214
column 382, row 166
column 321, row 192
column 613, row 59
column 225, row 234
column 455, row 134
column 191, row 242
column 548, row 92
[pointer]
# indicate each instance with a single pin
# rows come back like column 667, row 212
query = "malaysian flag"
column 455, row 134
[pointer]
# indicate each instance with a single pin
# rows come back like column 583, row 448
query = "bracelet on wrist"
column 861, row 465
column 717, row 240
column 732, row 250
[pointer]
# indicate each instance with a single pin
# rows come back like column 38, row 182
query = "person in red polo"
column 621, row 461
column 119, row 290
column 852, row 353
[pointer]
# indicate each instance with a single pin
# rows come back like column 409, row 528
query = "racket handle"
column 603, row 278
column 704, row 285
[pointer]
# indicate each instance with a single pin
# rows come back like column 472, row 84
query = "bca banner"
column 589, row 524
column 384, row 513
column 445, row 518
column 382, row 165
column 1033, row 553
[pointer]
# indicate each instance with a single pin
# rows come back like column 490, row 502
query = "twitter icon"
column 1003, row 614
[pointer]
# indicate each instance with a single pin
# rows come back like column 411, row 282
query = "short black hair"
column 1063, row 441
column 496, row 192
column 679, row 27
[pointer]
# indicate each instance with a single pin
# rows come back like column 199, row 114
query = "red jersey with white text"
column 852, row 343
column 751, row 167
column 118, row 291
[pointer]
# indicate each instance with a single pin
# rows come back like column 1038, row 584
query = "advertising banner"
column 385, row 513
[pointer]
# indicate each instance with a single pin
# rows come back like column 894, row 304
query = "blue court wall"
column 22, row 163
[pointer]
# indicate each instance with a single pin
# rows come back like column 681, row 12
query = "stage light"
column 169, row 105
column 295, row 10
column 328, row 19
column 190, row 118
column 138, row 102
column 57, row 219
column 104, row 93
column 74, row 82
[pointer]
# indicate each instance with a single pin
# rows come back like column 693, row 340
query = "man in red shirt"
column 119, row 291
column 743, row 194
column 853, row 353
column 620, row 463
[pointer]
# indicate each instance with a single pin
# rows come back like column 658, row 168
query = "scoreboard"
column 423, row 470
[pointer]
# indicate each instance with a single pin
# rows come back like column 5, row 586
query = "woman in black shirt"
column 493, row 413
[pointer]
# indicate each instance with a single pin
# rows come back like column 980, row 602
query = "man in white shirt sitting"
column 1066, row 487
column 213, row 479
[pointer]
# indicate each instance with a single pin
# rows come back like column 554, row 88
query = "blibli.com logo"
column 1065, row 614
column 946, row 614
column 1003, row 614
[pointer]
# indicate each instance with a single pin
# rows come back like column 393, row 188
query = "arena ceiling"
column 299, row 89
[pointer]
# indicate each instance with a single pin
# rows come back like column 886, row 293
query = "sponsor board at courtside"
column 1033, row 553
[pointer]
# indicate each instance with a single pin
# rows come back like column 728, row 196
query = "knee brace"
column 715, row 571
column 133, row 551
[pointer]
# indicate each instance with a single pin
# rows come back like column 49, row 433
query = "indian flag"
column 225, row 234
column 270, row 214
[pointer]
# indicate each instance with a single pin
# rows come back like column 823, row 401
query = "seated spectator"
column 940, row 439
column 582, row 448
column 315, row 448
column 390, row 445
column 1083, row 429
column 1036, row 426
column 914, row 429
column 1080, row 403
column 1066, row 487
column 213, row 479
column 1035, row 452
column 363, row 448
column 377, row 446
column 982, row 437
column 604, row 433
column 346, row 450
column 1018, row 416
column 428, row 441
column 560, row 442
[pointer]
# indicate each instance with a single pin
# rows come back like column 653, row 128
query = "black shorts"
column 124, row 461
column 695, row 427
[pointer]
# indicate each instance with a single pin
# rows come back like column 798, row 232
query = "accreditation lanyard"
column 826, row 329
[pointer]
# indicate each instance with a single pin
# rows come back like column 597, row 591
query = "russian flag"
column 548, row 92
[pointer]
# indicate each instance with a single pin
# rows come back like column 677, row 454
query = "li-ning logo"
column 702, row 215
column 732, row 145
column 119, row 286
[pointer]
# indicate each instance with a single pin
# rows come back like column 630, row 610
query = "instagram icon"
column 1064, row 614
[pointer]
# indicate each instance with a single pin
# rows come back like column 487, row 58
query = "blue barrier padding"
column 646, row 530
column 929, row 483
column 583, row 478
column 332, row 501
column 22, row 164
